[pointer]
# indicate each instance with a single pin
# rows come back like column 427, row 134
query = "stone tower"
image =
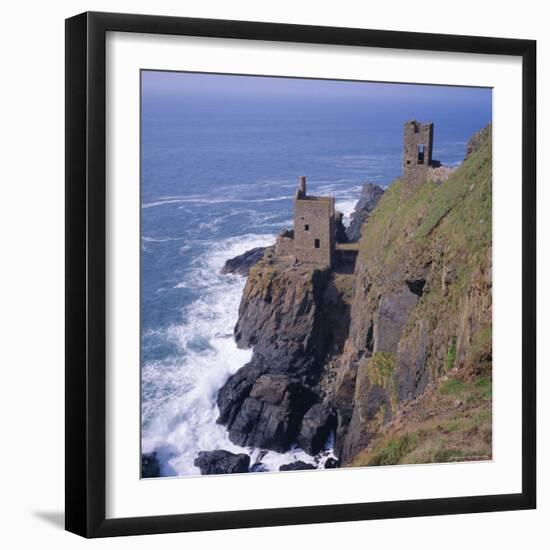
column 314, row 230
column 417, row 155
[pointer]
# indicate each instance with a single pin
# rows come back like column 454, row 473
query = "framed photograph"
column 300, row 274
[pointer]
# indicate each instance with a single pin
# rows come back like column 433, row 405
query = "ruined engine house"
column 313, row 238
column 417, row 155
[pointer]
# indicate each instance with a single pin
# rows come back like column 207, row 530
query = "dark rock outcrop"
column 341, row 235
column 331, row 463
column 280, row 316
column 283, row 317
column 370, row 195
column 298, row 465
column 222, row 462
column 269, row 416
column 232, row 395
column 242, row 263
column 394, row 310
column 150, row 466
column 315, row 428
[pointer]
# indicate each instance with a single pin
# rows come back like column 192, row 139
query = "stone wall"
column 439, row 174
column 314, row 229
column 417, row 155
column 284, row 245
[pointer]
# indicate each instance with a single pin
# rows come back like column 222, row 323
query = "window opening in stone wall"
column 421, row 154
column 306, row 227
column 317, row 243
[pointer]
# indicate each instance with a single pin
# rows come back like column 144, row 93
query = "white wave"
column 273, row 460
column 210, row 200
column 179, row 408
column 161, row 239
column 346, row 207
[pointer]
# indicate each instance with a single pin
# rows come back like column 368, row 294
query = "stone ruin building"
column 418, row 163
column 313, row 238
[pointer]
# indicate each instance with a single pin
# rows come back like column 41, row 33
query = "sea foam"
column 179, row 409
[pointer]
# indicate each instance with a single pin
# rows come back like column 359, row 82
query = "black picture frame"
column 86, row 273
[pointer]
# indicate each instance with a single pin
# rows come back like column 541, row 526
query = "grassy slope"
column 456, row 214
column 449, row 224
column 452, row 422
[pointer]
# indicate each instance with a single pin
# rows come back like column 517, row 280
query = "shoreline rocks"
column 298, row 465
column 222, row 462
column 269, row 416
column 315, row 429
column 242, row 263
column 282, row 317
column 150, row 465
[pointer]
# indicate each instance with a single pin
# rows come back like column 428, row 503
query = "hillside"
column 422, row 301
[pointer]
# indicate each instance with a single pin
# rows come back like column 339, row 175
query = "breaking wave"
column 179, row 409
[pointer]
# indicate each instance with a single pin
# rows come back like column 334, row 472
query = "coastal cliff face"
column 421, row 309
column 357, row 353
column 292, row 316
column 370, row 195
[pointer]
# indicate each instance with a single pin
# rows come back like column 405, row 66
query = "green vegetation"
column 441, row 233
column 451, row 355
column 486, row 387
column 453, row 386
column 448, row 214
column 452, row 423
column 381, row 368
column 448, row 228
column 457, row 388
column 395, row 450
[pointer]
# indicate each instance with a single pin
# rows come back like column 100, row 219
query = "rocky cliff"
column 422, row 300
column 294, row 317
column 350, row 352
column 370, row 195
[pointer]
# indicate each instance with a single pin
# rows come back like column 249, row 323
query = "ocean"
column 220, row 161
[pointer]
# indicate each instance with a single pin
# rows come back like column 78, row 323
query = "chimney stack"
column 302, row 185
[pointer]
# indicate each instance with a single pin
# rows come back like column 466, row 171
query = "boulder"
column 370, row 195
column 150, row 465
column 242, row 263
column 258, row 467
column 298, row 465
column 222, row 462
column 237, row 388
column 315, row 428
column 332, row 463
column 270, row 415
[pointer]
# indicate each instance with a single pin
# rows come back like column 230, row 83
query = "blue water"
column 217, row 177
